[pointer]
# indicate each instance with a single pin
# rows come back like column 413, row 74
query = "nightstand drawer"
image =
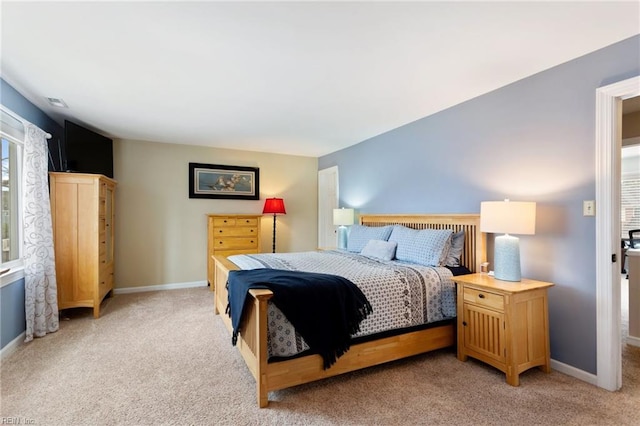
column 484, row 298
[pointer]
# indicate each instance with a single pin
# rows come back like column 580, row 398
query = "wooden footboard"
column 252, row 341
column 252, row 344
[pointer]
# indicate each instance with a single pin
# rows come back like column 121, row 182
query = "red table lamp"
column 274, row 206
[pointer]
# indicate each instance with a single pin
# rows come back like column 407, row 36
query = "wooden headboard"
column 475, row 242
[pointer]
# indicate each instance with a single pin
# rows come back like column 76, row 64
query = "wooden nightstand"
column 503, row 323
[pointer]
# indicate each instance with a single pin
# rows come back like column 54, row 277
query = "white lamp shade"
column 343, row 216
column 508, row 217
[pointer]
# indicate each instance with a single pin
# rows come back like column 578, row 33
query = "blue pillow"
column 427, row 247
column 385, row 250
column 455, row 251
column 359, row 236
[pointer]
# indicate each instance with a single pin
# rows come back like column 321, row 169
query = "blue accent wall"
column 12, row 99
column 533, row 140
column 12, row 314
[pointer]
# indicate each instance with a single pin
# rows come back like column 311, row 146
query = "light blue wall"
column 533, row 140
column 12, row 316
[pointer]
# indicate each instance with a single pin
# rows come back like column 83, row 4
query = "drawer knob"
column 481, row 296
column 464, row 323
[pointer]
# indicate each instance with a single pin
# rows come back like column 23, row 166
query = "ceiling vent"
column 57, row 102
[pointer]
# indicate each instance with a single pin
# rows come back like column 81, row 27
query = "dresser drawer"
column 219, row 222
column 234, row 243
column 484, row 298
column 227, row 253
column 234, row 232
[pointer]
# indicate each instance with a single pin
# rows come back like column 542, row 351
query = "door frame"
column 608, row 158
column 326, row 206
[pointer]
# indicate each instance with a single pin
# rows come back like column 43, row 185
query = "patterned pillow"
column 455, row 251
column 360, row 235
column 427, row 247
column 385, row 250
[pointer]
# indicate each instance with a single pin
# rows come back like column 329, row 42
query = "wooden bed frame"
column 252, row 342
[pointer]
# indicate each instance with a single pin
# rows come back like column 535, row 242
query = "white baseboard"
column 574, row 372
column 12, row 345
column 633, row 341
column 174, row 286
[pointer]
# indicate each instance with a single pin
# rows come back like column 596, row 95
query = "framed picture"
column 225, row 182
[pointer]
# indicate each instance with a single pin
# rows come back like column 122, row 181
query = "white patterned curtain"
column 41, row 296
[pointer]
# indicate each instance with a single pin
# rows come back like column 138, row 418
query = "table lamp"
column 274, row 206
column 508, row 217
column 343, row 218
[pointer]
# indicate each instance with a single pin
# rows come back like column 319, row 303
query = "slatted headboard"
column 475, row 242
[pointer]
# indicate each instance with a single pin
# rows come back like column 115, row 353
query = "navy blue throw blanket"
column 325, row 309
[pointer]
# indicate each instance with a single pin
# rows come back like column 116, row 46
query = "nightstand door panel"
column 529, row 332
column 484, row 332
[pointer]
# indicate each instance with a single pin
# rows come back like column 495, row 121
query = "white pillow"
column 380, row 249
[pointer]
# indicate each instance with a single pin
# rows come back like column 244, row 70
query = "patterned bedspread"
column 401, row 294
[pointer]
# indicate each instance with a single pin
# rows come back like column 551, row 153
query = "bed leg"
column 263, row 395
column 262, row 352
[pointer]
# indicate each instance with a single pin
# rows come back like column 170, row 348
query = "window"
column 10, row 211
column 630, row 190
column 12, row 135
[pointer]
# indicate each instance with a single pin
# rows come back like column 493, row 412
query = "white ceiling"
column 305, row 78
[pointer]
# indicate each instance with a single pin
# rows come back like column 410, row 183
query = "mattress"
column 402, row 294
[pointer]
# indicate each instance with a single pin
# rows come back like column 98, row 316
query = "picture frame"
column 224, row 182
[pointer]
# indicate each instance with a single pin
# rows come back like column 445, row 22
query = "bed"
column 252, row 341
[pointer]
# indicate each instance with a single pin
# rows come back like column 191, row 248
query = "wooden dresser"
column 503, row 323
column 231, row 234
column 82, row 212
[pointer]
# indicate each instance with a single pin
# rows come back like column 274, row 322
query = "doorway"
column 328, row 192
column 629, row 208
column 608, row 297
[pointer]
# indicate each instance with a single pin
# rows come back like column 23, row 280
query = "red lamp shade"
column 274, row 205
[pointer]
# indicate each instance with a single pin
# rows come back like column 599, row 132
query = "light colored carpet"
column 164, row 358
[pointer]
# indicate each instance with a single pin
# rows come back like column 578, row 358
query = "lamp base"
column 342, row 237
column 506, row 257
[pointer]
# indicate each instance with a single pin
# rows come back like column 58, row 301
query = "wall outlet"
column 589, row 208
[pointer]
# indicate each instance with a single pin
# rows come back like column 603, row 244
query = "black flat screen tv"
column 86, row 151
